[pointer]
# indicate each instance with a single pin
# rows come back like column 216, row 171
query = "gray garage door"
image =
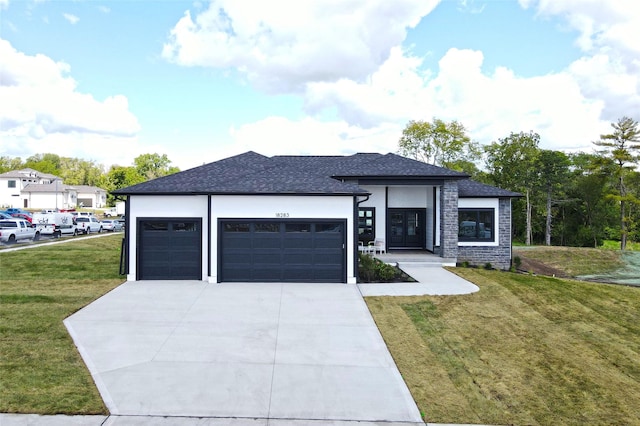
column 282, row 251
column 170, row 249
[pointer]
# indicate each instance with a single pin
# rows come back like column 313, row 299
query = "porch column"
column 449, row 219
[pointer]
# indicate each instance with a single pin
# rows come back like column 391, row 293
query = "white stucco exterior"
column 235, row 207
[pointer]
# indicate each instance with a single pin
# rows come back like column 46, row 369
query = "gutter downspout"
column 356, row 207
column 124, row 255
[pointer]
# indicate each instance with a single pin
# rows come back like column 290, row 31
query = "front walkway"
column 427, row 269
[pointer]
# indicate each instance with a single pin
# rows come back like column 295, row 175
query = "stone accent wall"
column 498, row 256
column 449, row 219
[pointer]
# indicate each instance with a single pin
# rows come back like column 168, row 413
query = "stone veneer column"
column 449, row 219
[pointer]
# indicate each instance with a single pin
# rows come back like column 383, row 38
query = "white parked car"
column 88, row 224
column 111, row 225
column 12, row 230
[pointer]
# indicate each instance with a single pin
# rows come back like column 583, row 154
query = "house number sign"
column 282, row 214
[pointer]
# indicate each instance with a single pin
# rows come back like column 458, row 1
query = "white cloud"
column 282, row 45
column 41, row 111
column 371, row 115
column 308, row 136
column 104, row 9
column 4, row 4
column 609, row 35
column 73, row 19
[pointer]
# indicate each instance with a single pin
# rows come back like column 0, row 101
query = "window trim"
column 495, row 229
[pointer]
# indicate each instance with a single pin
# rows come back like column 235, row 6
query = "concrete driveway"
column 253, row 351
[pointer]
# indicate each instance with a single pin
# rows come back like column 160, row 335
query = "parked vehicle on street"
column 4, row 215
column 88, row 224
column 55, row 224
column 111, row 225
column 24, row 216
column 12, row 210
column 12, row 230
column 118, row 210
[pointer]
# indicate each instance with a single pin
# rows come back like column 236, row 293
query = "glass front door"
column 406, row 228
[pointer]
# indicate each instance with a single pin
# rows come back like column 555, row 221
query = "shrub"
column 517, row 261
column 373, row 270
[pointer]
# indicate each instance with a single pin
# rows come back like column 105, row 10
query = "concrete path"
column 431, row 280
column 286, row 353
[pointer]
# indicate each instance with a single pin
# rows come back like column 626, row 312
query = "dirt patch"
column 536, row 267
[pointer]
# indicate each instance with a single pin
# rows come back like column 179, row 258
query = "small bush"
column 372, row 270
column 488, row 266
column 517, row 261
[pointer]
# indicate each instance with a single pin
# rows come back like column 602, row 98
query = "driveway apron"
column 241, row 350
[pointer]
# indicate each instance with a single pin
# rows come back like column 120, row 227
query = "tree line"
column 571, row 199
column 74, row 171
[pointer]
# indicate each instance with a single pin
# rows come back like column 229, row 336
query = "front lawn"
column 40, row 368
column 523, row 350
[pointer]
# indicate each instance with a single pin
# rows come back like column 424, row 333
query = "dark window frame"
column 364, row 236
column 476, row 227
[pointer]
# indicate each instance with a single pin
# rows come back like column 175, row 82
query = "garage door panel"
column 294, row 242
column 169, row 249
column 311, row 251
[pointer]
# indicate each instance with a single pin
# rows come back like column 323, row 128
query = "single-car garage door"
column 170, row 249
column 282, row 251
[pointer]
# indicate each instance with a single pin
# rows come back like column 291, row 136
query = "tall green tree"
column 623, row 147
column 75, row 171
column 45, row 163
column 152, row 166
column 7, row 164
column 553, row 169
column 439, row 143
column 512, row 164
column 589, row 213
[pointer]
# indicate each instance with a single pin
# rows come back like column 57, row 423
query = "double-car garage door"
column 282, row 251
column 248, row 250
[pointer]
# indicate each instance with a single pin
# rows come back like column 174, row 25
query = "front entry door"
column 406, row 228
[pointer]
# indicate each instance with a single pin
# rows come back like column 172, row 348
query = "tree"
column 622, row 146
column 152, row 166
column 45, row 163
column 74, row 171
column 7, row 164
column 439, row 143
column 553, row 167
column 511, row 163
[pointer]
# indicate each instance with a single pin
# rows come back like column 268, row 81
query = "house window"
column 476, row 224
column 366, row 224
column 12, row 184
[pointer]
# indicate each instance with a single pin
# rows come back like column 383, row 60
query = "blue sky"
column 199, row 81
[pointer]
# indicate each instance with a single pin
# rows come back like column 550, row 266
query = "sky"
column 107, row 81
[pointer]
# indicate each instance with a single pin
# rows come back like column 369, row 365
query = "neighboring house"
column 300, row 218
column 31, row 189
column 13, row 182
column 49, row 196
column 91, row 196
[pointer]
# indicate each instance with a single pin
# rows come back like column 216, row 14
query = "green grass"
column 573, row 261
column 615, row 245
column 40, row 368
column 523, row 350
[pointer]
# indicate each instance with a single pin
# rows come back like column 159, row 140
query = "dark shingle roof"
column 247, row 173
column 252, row 173
column 369, row 165
column 468, row 188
